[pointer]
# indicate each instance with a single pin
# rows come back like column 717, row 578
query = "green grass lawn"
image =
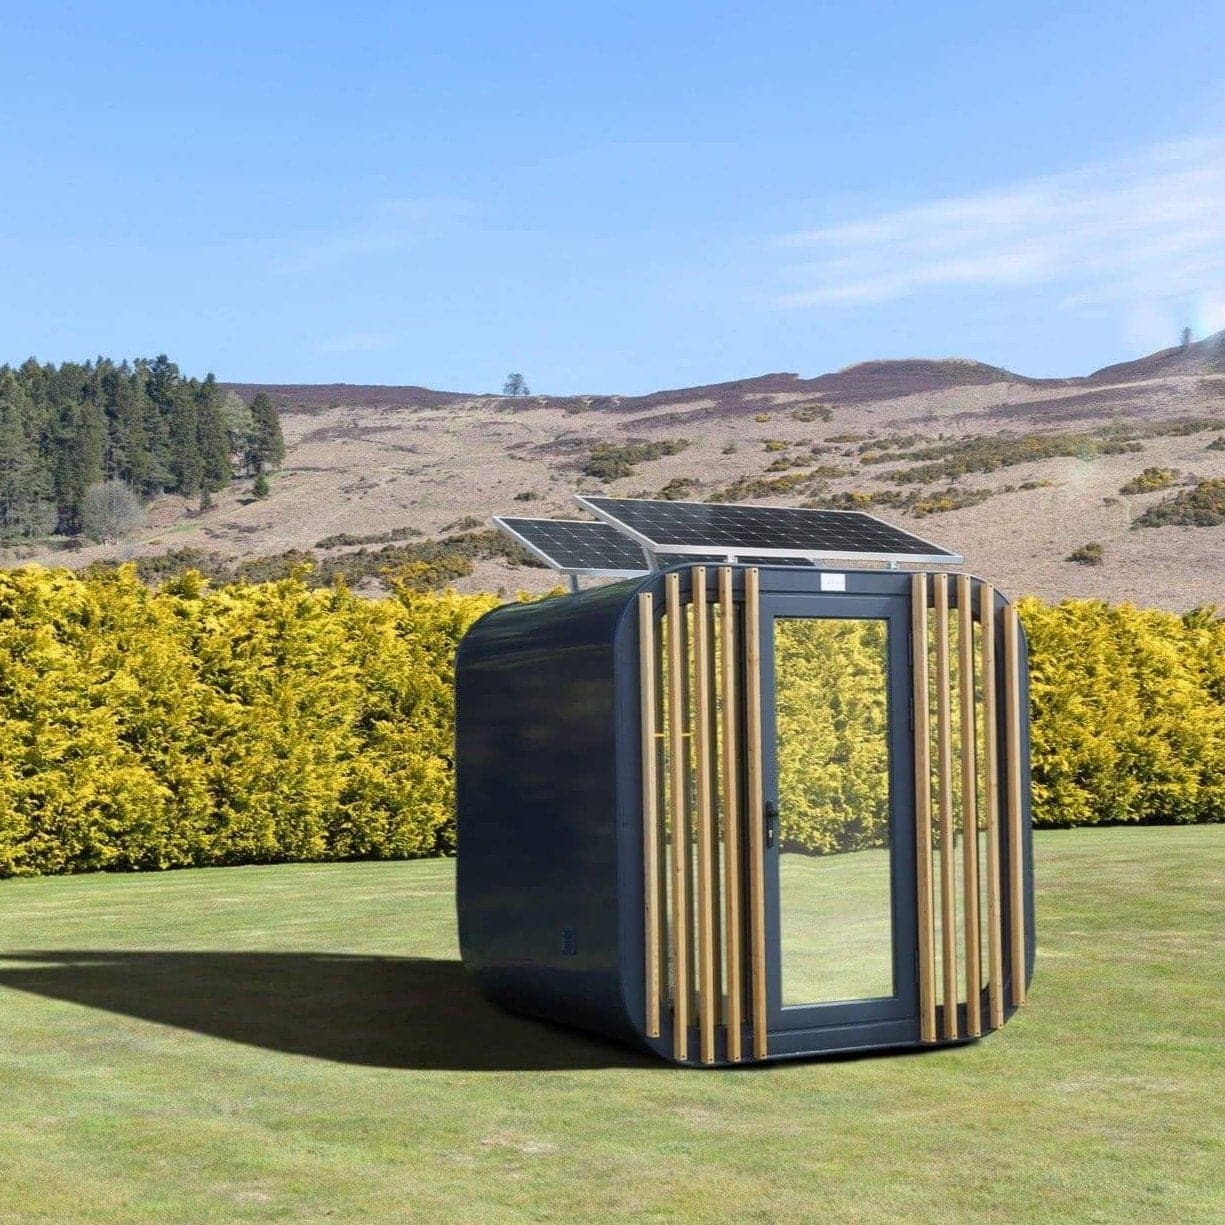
column 299, row 1044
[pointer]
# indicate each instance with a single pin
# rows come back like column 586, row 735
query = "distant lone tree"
column 109, row 510
column 515, row 385
column 1186, row 338
column 261, row 488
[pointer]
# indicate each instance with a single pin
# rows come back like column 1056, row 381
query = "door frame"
column 840, row 1017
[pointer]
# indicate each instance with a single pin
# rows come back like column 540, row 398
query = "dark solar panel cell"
column 570, row 544
column 738, row 528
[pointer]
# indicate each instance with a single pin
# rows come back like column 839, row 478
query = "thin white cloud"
column 1150, row 226
column 383, row 229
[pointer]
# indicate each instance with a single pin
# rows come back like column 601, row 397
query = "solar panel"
column 762, row 532
column 574, row 546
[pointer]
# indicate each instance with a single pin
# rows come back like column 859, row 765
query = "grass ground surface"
column 298, row 1043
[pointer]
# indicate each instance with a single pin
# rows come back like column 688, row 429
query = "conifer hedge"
column 260, row 722
column 1128, row 713
column 253, row 723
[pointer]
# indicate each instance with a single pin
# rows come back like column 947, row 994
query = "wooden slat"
column 969, row 805
column 716, row 888
column 677, row 794
column 991, row 788
column 922, row 806
column 944, row 793
column 1016, row 875
column 650, row 812
column 705, row 818
column 687, row 847
column 754, row 813
column 733, row 930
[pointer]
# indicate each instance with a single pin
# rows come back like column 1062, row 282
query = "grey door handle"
column 771, row 820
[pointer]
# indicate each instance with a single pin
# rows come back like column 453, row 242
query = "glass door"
column 839, row 857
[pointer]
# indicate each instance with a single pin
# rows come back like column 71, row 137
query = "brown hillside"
column 1201, row 357
column 1014, row 472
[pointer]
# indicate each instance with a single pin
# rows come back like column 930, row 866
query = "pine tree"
column 186, row 463
column 80, row 439
column 211, row 437
column 266, row 444
column 23, row 486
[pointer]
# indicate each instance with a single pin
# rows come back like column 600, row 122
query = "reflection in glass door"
column 833, row 786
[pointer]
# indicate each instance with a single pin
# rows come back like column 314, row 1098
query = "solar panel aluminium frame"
column 939, row 557
column 573, row 571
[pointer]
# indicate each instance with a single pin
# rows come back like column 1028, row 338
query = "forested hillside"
column 82, row 446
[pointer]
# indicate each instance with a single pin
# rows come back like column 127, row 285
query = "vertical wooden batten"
column 969, row 804
column 677, row 797
column 713, row 773
column 733, row 934
column 686, row 847
column 661, row 801
column 704, row 813
column 755, row 815
column 944, row 791
column 991, row 790
column 922, row 805
column 650, row 813
column 1016, row 875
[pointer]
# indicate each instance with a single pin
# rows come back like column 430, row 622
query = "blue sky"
column 613, row 197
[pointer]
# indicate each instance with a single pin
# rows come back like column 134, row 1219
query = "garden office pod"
column 735, row 813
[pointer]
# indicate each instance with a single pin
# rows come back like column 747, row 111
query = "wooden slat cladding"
column 969, row 804
column 703, row 807
column 733, row 917
column 1012, row 740
column 755, row 814
column 922, row 805
column 964, row 762
column 678, row 795
column 713, row 775
column 700, row 707
column 650, row 814
column 704, row 814
column 991, row 792
column 944, row 790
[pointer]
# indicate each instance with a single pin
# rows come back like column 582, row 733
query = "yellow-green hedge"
column 143, row 729
column 260, row 722
column 1128, row 722
column 1128, row 711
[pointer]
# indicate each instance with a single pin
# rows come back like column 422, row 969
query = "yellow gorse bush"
column 144, row 729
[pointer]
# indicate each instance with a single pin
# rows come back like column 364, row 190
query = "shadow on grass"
column 393, row 1012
